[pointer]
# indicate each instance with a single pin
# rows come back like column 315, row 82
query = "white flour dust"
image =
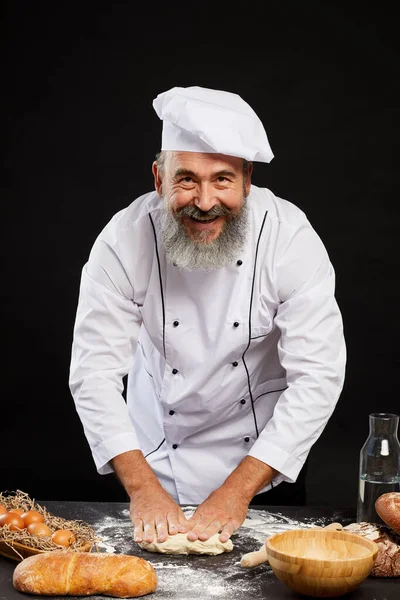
column 190, row 577
column 261, row 525
column 188, row 581
column 115, row 532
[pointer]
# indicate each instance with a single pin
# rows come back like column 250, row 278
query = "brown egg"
column 63, row 537
column 32, row 516
column 3, row 509
column 17, row 511
column 14, row 521
column 39, row 529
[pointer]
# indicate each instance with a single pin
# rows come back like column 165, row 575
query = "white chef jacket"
column 248, row 359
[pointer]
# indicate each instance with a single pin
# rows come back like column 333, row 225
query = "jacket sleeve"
column 311, row 349
column 104, row 344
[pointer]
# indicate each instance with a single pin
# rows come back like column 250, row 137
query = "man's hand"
column 153, row 512
column 155, row 515
column 226, row 508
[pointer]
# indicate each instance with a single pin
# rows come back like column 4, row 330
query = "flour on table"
column 115, row 532
column 260, row 524
column 104, row 547
column 191, row 577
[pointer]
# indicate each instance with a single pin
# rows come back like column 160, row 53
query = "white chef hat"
column 197, row 119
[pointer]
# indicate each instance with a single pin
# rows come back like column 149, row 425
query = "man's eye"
column 187, row 179
column 222, row 179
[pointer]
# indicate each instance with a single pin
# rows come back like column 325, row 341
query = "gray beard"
column 185, row 253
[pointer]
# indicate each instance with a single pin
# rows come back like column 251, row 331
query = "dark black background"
column 80, row 135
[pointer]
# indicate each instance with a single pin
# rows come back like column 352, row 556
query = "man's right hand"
column 154, row 514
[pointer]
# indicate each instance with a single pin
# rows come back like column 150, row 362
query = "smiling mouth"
column 205, row 219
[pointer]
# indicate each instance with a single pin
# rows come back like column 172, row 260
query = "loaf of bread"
column 61, row 573
column 387, row 563
column 388, row 508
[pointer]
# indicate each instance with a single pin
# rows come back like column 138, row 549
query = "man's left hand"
column 226, row 508
column 222, row 511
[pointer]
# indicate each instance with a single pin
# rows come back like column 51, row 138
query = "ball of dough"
column 179, row 544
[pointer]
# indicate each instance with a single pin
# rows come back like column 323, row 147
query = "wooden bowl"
column 318, row 562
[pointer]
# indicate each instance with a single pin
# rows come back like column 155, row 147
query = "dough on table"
column 179, row 544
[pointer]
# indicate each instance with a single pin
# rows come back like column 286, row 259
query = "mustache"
column 195, row 212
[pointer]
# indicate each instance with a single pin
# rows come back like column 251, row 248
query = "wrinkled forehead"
column 201, row 162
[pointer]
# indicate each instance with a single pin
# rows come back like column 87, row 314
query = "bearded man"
column 216, row 298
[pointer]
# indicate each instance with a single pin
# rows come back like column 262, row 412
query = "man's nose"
column 205, row 198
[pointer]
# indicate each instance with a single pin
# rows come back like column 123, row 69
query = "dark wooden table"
column 205, row 577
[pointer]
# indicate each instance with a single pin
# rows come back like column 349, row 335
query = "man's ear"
column 248, row 179
column 157, row 178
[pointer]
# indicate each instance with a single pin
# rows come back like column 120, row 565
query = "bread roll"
column 61, row 573
column 388, row 508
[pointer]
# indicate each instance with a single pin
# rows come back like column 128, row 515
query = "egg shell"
column 15, row 522
column 17, row 511
column 32, row 516
column 63, row 537
column 39, row 529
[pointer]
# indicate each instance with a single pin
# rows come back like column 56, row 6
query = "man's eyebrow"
column 184, row 173
column 189, row 173
column 225, row 173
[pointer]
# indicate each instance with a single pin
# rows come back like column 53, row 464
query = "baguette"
column 62, row 573
column 388, row 508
